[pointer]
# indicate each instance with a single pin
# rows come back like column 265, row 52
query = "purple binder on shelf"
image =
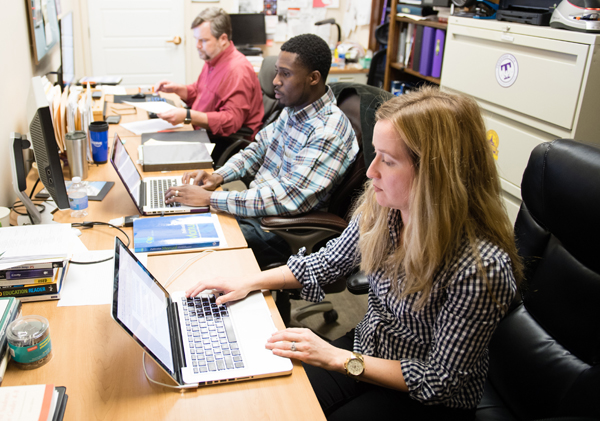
column 438, row 53
column 427, row 45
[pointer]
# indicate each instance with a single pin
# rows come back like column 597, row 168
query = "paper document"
column 27, row 243
column 88, row 285
column 149, row 126
column 209, row 146
column 155, row 107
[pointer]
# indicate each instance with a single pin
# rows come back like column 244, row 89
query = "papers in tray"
column 149, row 126
column 170, row 156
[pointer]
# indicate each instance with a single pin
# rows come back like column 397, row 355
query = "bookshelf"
column 393, row 68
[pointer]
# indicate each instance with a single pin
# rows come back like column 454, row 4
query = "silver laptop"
column 194, row 340
column 148, row 193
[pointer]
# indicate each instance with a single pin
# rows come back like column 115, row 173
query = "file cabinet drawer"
column 514, row 143
column 537, row 77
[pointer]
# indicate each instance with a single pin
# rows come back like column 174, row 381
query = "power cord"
column 90, row 224
column 194, row 386
column 186, row 265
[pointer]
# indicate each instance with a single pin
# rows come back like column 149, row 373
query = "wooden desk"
column 102, row 367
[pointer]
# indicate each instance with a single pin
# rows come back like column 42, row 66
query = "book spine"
column 42, row 265
column 25, row 282
column 28, row 273
column 28, row 291
column 179, row 247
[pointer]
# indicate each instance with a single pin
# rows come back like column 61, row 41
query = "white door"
column 142, row 41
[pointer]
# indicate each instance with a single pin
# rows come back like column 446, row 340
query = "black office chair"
column 242, row 138
column 359, row 102
column 545, row 354
column 376, row 74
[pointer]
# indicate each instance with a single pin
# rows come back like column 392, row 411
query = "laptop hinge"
column 143, row 196
column 176, row 340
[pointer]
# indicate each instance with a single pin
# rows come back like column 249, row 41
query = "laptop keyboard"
column 159, row 188
column 210, row 335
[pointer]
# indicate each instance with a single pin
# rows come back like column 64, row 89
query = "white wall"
column 16, row 70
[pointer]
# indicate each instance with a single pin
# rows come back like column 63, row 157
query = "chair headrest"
column 266, row 75
column 561, row 189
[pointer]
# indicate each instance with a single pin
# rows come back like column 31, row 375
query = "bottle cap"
column 76, row 179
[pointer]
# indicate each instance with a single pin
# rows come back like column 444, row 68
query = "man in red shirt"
column 227, row 94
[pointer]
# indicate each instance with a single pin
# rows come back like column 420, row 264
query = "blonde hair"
column 455, row 193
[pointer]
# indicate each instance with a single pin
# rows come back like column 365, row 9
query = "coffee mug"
column 4, row 217
column 99, row 141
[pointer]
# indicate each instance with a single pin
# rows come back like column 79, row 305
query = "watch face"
column 355, row 367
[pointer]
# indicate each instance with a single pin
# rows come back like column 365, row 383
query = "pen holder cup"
column 76, row 153
column 99, row 141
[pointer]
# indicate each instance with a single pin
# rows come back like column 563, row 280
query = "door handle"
column 176, row 40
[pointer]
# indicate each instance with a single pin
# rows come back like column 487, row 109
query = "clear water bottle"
column 78, row 198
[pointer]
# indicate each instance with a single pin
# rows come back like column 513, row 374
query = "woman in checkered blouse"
column 432, row 235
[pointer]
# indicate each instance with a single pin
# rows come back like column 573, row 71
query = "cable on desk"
column 195, row 386
column 90, row 224
column 40, row 207
column 185, row 266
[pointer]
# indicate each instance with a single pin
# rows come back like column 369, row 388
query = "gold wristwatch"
column 188, row 117
column 355, row 365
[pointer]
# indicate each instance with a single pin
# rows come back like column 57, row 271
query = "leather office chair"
column 359, row 103
column 545, row 354
column 241, row 138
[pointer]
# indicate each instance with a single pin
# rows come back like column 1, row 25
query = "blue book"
column 427, row 47
column 166, row 233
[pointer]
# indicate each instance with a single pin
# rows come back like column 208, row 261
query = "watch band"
column 188, row 117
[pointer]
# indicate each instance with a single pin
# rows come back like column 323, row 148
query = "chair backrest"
column 266, row 75
column 377, row 69
column 545, row 354
column 359, row 103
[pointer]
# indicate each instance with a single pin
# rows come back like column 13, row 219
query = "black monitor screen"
column 248, row 29
column 43, row 141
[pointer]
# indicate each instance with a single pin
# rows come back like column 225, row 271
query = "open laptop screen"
column 140, row 306
column 127, row 170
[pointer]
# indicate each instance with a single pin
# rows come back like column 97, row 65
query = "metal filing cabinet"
column 534, row 84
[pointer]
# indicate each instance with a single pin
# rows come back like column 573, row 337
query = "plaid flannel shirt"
column 442, row 347
column 296, row 162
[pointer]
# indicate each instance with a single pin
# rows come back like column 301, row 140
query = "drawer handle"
column 507, row 38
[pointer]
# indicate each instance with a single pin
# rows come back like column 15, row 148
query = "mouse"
column 139, row 96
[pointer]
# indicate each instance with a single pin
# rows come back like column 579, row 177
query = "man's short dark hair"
column 313, row 52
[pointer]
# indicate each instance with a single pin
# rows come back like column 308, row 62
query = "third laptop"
column 148, row 193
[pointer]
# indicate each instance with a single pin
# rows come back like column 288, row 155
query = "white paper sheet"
column 91, row 284
column 156, row 107
column 149, row 126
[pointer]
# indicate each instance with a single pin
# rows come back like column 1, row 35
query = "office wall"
column 194, row 64
column 16, row 72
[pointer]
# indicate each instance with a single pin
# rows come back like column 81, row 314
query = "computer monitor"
column 67, row 51
column 247, row 30
column 45, row 150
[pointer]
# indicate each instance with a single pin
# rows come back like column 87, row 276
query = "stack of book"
column 34, row 281
column 34, row 261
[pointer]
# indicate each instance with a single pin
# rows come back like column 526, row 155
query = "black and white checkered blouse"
column 442, row 347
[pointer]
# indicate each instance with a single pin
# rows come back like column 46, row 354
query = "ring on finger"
column 176, row 193
column 293, row 347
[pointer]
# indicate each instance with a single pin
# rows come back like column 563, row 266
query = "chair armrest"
column 357, row 283
column 312, row 220
column 234, row 148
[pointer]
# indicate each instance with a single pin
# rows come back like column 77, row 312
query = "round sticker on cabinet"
column 507, row 70
column 494, row 140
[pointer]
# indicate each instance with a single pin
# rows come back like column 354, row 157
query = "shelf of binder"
column 415, row 47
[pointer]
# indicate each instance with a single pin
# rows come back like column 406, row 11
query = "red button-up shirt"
column 228, row 91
